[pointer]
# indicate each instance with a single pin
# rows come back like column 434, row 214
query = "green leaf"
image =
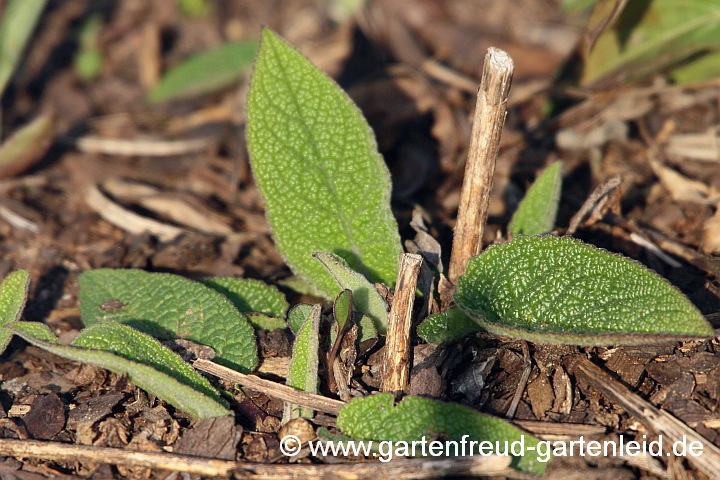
column 376, row 418
column 560, row 290
column 537, row 211
column 447, row 326
column 141, row 348
column 261, row 321
column 34, row 329
column 650, row 36
column 297, row 316
column 250, row 295
column 364, row 296
column 13, row 294
column 18, row 22
column 342, row 308
column 702, row 69
column 167, row 388
column 302, row 286
column 303, row 371
column 205, row 72
column 195, row 8
column 315, row 160
column 168, row 306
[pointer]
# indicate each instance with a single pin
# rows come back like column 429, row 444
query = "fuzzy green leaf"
column 18, row 22
column 447, row 326
column 537, row 211
column 34, row 329
column 167, row 388
column 297, row 316
column 303, row 371
column 559, row 290
column 261, row 321
column 250, row 295
column 342, row 308
column 141, row 348
column 205, row 72
column 376, row 418
column 13, row 294
column 315, row 160
column 168, row 306
column 364, row 296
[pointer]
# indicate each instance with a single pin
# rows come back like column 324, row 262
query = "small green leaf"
column 303, row 371
column 367, row 329
column 13, row 294
column 18, row 22
column 704, row 68
column 26, row 145
column 537, row 211
column 364, row 296
column 297, row 316
column 167, row 388
column 342, row 308
column 559, row 290
column 195, row 8
column 168, row 306
column 447, row 326
column 301, row 286
column 250, row 295
column 141, row 348
column 261, row 321
column 34, row 329
column 415, row 418
column 315, row 160
column 205, row 72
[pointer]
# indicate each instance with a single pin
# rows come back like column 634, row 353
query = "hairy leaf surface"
column 13, row 294
column 364, row 296
column 167, row 388
column 315, row 160
column 559, row 290
column 141, row 348
column 447, row 326
column 538, row 209
column 168, row 306
column 376, row 418
column 303, row 371
column 250, row 295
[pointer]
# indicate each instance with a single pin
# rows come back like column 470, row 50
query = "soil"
column 412, row 66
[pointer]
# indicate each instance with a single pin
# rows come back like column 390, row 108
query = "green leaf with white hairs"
column 165, row 387
column 13, row 295
column 315, row 161
column 559, row 290
column 297, row 316
column 447, row 326
column 168, row 307
column 364, row 296
column 414, row 418
column 250, row 295
column 538, row 209
column 141, row 348
column 303, row 371
column 205, row 72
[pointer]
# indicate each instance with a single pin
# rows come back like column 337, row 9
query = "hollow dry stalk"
column 397, row 345
column 490, row 112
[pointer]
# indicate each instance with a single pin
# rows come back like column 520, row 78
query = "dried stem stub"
column 398, row 345
column 488, row 122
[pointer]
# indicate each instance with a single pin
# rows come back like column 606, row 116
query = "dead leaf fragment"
column 26, row 146
column 711, row 234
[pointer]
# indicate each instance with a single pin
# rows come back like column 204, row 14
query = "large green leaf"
column 415, row 418
column 315, row 160
column 651, row 35
column 537, row 211
column 141, row 348
column 169, row 306
column 205, row 72
column 250, row 295
column 559, row 290
column 146, row 377
column 364, row 296
column 303, row 371
column 18, row 22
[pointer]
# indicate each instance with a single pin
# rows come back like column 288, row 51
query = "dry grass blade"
column 137, row 147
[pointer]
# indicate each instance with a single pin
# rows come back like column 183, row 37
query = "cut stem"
column 397, row 344
column 490, row 112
